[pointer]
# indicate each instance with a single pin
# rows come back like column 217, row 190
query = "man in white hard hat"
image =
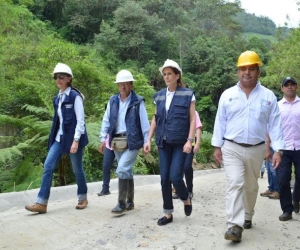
column 126, row 123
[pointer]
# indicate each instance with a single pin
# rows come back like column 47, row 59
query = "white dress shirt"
column 248, row 120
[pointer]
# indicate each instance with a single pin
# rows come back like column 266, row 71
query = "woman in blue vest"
column 174, row 126
column 68, row 136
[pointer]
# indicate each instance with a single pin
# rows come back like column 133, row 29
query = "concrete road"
column 64, row 227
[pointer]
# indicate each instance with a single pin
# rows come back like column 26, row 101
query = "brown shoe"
column 274, row 196
column 266, row 193
column 37, row 208
column 82, row 204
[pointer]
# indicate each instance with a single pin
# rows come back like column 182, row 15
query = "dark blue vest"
column 134, row 132
column 173, row 127
column 69, row 123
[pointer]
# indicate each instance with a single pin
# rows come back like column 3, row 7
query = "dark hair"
column 69, row 82
column 78, row 91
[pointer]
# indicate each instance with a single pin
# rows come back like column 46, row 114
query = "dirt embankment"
column 204, row 166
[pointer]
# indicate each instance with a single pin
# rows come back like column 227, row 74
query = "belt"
column 245, row 144
column 120, row 135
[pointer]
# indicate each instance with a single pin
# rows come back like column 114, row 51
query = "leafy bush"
column 147, row 164
column 206, row 149
column 26, row 175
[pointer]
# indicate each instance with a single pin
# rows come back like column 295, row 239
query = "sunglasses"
column 61, row 77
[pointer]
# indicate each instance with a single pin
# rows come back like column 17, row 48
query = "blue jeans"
column 108, row 161
column 284, row 173
column 52, row 159
column 272, row 177
column 171, row 164
column 188, row 171
column 262, row 169
column 126, row 161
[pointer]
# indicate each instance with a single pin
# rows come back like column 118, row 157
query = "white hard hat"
column 170, row 63
column 124, row 76
column 62, row 68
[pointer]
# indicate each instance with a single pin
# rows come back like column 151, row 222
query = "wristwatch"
column 191, row 139
column 76, row 139
column 278, row 151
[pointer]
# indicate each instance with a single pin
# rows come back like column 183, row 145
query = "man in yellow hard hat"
column 247, row 113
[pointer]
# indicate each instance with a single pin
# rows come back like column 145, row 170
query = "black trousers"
column 289, row 159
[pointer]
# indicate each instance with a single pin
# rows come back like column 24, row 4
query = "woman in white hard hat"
column 126, row 123
column 174, row 126
column 68, row 136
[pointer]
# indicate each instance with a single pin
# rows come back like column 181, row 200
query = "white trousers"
column 242, row 168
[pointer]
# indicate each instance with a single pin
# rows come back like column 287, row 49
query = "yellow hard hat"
column 248, row 58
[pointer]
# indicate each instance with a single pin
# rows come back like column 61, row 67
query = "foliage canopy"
column 96, row 39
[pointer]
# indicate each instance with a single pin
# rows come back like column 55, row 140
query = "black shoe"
column 103, row 192
column 129, row 206
column 164, row 220
column 296, row 206
column 188, row 208
column 285, row 216
column 234, row 234
column 247, row 224
column 119, row 208
column 175, row 196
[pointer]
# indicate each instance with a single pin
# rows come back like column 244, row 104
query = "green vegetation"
column 267, row 38
column 251, row 23
column 96, row 39
column 206, row 150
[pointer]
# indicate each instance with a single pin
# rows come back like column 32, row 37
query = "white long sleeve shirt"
column 248, row 120
column 121, row 125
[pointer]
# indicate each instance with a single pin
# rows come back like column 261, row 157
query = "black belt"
column 120, row 135
column 245, row 144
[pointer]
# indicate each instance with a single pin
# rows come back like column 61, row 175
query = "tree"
column 252, row 23
column 216, row 17
column 137, row 31
column 77, row 20
column 284, row 61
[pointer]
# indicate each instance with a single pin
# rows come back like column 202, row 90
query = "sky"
column 276, row 10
